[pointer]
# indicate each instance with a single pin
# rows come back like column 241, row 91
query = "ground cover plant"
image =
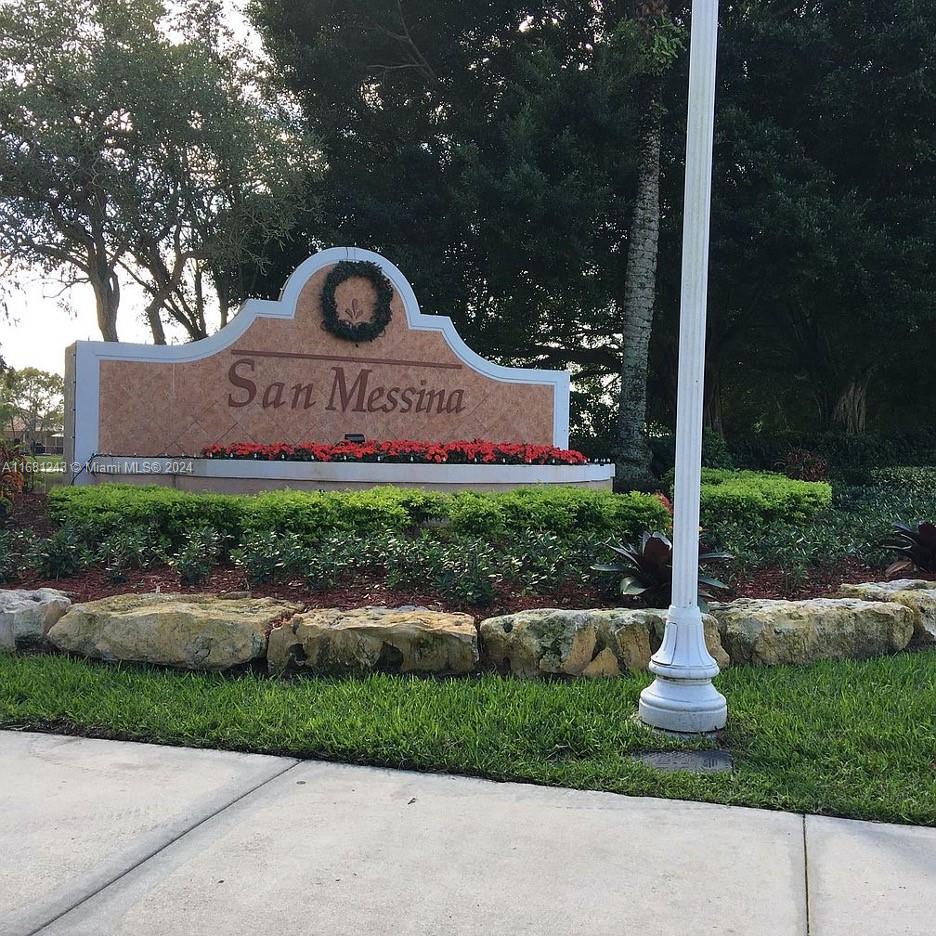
column 852, row 739
column 527, row 547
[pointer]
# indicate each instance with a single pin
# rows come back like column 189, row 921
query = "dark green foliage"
column 199, row 553
column 6, row 505
column 715, row 451
column 323, row 564
column 852, row 459
column 262, row 556
column 62, row 554
column 858, row 522
column 466, row 148
column 17, row 553
column 916, row 545
column 646, row 570
column 464, row 570
column 124, row 551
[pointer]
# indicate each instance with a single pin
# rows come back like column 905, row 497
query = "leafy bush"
column 107, row 509
column 854, row 528
column 6, row 505
column 262, row 556
column 62, row 554
column 126, row 550
column 324, row 563
column 17, row 549
column 198, row 555
column 752, row 497
column 465, row 570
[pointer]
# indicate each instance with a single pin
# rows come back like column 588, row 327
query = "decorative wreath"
column 356, row 331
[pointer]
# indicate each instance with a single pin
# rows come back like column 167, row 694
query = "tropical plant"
column 62, row 554
column 16, row 551
column 197, row 556
column 125, row 550
column 916, row 545
column 646, row 570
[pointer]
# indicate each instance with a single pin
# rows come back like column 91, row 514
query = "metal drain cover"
column 691, row 761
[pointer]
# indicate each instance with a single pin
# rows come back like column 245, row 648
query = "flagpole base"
column 687, row 706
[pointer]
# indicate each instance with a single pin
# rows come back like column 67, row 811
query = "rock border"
column 220, row 632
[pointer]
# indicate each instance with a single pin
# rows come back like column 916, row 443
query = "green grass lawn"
column 845, row 739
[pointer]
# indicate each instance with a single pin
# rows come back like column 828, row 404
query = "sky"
column 41, row 329
column 44, row 321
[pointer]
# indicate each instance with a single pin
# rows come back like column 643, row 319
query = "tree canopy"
column 492, row 149
column 136, row 140
column 31, row 402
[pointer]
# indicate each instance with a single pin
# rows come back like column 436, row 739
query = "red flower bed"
column 399, row 451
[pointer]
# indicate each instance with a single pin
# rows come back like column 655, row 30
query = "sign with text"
column 344, row 350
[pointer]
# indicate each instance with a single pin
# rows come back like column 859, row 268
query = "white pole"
column 682, row 697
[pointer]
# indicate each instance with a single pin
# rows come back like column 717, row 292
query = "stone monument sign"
column 344, row 350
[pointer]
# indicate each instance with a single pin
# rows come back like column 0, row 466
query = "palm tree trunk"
column 632, row 455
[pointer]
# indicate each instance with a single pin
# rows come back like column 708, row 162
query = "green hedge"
column 104, row 509
column 849, row 456
column 750, row 497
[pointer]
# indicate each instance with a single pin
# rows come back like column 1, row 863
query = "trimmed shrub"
column 749, row 497
column 108, row 509
column 105, row 510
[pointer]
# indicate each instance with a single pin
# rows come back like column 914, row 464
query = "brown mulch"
column 94, row 583
column 814, row 583
column 31, row 512
column 766, row 583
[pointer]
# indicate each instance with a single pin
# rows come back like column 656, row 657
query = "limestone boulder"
column 198, row 632
column 26, row 616
column 363, row 640
column 769, row 632
column 552, row 641
column 916, row 594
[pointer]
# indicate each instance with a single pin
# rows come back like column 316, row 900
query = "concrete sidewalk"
column 103, row 838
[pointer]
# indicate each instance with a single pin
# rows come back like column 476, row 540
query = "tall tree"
column 133, row 139
column 823, row 208
column 33, row 399
column 492, row 149
column 661, row 44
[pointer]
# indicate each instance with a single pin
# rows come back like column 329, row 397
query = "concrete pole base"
column 687, row 706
